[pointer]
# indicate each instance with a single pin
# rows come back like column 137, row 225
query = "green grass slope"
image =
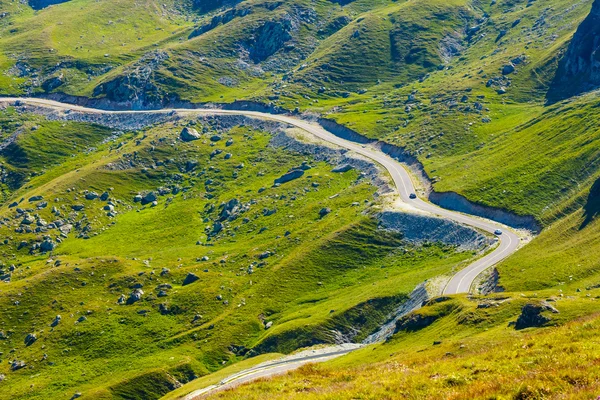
column 276, row 260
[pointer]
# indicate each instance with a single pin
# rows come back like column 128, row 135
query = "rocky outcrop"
column 268, row 39
column 579, row 70
column 210, row 5
column 532, row 315
column 415, row 300
column 220, row 19
column 39, row 4
column 137, row 85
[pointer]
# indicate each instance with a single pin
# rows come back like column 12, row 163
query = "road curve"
column 273, row 368
column 461, row 282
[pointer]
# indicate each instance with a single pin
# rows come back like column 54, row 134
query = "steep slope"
column 579, row 69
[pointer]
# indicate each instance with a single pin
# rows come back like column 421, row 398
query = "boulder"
column 190, row 278
column 91, row 196
column 290, row 176
column 324, row 212
column 27, row 220
column 342, row 168
column 136, row 295
column 189, row 134
column 47, row 245
column 36, row 198
column 78, row 207
column 149, row 198
column 30, row 339
column 508, row 69
column 56, row 321
column 17, row 364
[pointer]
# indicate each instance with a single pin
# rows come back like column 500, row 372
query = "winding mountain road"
column 461, row 282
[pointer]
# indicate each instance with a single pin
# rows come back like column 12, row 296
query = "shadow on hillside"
column 592, row 207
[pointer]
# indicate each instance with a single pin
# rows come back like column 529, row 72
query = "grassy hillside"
column 90, row 214
column 468, row 352
column 76, row 241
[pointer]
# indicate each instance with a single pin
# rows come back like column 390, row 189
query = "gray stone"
column 91, row 196
column 343, row 168
column 189, row 134
column 508, row 69
column 135, row 296
column 324, row 212
column 27, row 220
column 149, row 198
column 56, row 321
column 47, row 245
column 190, row 278
column 17, row 364
column 78, row 207
column 30, row 339
column 290, row 176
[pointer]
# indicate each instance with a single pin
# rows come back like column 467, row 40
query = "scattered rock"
column 56, row 321
column 91, row 196
column 189, row 134
column 190, row 278
column 136, row 295
column 290, row 176
column 343, row 168
column 17, row 364
column 508, row 69
column 149, row 198
column 324, row 212
column 47, row 245
column 30, row 339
